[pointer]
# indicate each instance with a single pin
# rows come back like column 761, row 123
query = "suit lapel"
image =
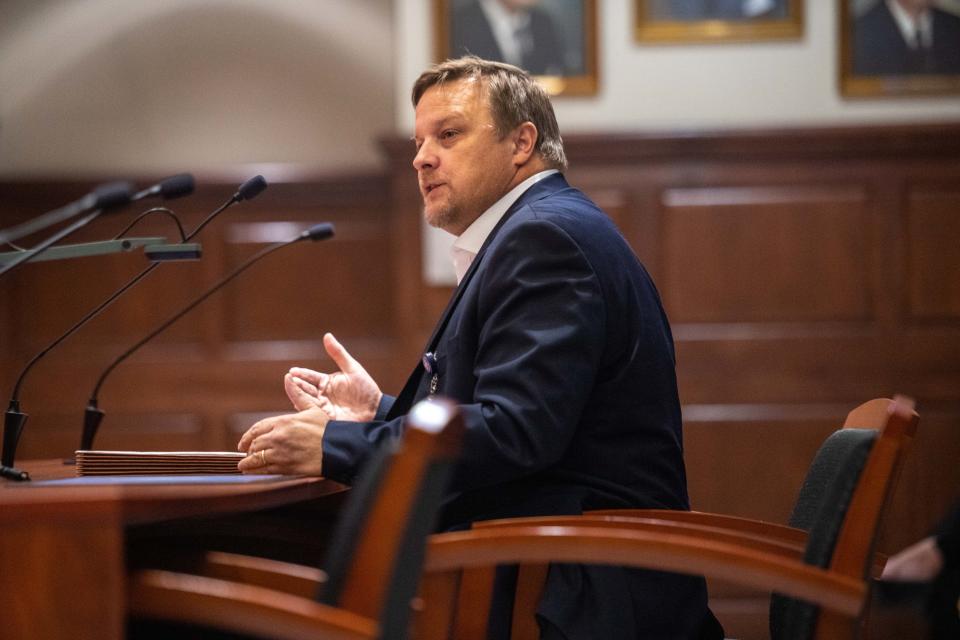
column 407, row 395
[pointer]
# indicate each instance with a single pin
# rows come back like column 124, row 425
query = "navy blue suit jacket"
column 558, row 350
column 879, row 48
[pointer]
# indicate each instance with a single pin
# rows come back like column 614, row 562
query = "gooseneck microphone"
column 176, row 186
column 15, row 419
column 106, row 196
column 94, row 415
column 111, row 196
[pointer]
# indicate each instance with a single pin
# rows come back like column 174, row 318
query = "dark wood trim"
column 876, row 141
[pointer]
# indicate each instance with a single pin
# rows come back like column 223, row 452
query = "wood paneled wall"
column 804, row 271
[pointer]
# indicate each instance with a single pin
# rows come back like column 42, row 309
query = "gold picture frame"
column 876, row 60
column 559, row 45
column 700, row 21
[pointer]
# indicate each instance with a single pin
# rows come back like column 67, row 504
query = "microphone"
column 106, row 196
column 94, row 415
column 251, row 188
column 14, row 419
column 176, row 186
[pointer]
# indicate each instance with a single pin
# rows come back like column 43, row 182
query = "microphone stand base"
column 12, row 473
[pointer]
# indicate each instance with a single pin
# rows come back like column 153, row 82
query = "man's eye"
column 448, row 134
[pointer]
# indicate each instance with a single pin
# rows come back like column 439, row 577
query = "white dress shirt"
column 754, row 8
column 468, row 243
column 910, row 29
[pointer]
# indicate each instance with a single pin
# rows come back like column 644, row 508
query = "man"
column 906, row 37
column 554, row 344
column 515, row 31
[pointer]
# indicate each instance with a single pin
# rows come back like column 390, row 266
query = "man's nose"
column 425, row 158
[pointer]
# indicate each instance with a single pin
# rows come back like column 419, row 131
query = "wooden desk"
column 63, row 549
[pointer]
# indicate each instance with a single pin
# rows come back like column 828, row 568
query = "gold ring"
column 263, row 457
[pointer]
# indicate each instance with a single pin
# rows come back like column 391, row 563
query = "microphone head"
column 112, row 194
column 251, row 188
column 317, row 232
column 176, row 186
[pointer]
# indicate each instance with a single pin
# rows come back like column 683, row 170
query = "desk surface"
column 145, row 503
column 62, row 548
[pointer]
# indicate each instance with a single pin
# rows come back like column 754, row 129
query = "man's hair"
column 514, row 98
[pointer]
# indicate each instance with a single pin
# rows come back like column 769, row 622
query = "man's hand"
column 920, row 562
column 290, row 444
column 349, row 394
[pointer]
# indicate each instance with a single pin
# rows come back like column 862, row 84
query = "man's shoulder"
column 878, row 14
column 566, row 207
column 568, row 215
column 946, row 18
column 467, row 8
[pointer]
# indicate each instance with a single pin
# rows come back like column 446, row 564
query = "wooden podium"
column 65, row 548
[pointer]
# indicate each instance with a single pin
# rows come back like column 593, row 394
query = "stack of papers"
column 140, row 463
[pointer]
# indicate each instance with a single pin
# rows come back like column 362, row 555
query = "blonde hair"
column 514, row 98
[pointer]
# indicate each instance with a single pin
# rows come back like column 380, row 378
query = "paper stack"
column 139, row 463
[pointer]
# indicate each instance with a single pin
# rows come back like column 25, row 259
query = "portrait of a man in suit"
column 543, row 37
column 905, row 38
column 718, row 20
column 695, row 10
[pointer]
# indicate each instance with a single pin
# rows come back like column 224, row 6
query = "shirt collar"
column 908, row 28
column 468, row 243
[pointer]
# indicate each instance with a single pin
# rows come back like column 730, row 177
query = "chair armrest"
column 718, row 534
column 294, row 579
column 746, row 525
column 650, row 550
column 225, row 605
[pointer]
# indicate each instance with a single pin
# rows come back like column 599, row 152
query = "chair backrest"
column 375, row 556
column 840, row 503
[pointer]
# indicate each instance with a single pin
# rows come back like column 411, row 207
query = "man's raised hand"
column 348, row 394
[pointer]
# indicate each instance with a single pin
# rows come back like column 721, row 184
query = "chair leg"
column 473, row 603
column 530, row 581
column 436, row 606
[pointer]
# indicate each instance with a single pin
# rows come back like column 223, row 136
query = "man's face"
column 462, row 165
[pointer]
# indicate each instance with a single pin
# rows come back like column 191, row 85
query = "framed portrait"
column 554, row 40
column 682, row 21
column 899, row 47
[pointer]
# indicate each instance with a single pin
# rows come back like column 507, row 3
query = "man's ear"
column 524, row 142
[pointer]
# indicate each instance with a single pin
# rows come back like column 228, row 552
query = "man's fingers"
column 250, row 464
column 343, row 360
column 309, row 389
column 298, row 392
column 316, row 378
column 264, row 426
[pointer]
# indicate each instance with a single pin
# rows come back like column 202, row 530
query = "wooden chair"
column 373, row 565
column 455, row 592
column 820, row 561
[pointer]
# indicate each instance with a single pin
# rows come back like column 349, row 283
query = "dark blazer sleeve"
column 386, row 403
